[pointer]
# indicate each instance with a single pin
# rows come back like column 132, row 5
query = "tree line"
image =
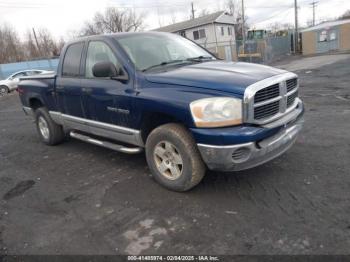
column 31, row 46
column 39, row 43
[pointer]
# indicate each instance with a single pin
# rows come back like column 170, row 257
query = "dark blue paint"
column 168, row 93
column 224, row 76
column 234, row 135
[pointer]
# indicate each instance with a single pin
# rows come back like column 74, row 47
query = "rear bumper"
column 247, row 155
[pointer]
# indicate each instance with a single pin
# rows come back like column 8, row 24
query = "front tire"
column 50, row 133
column 173, row 157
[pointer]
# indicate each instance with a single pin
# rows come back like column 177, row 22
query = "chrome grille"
column 291, row 98
column 291, row 84
column 267, row 93
column 271, row 98
column 266, row 110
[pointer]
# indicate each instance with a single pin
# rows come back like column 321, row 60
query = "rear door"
column 68, row 85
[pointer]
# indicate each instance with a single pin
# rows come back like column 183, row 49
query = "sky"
column 64, row 17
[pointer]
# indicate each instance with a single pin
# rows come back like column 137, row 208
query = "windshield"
column 255, row 34
column 148, row 51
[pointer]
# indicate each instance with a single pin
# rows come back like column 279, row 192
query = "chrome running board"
column 110, row 145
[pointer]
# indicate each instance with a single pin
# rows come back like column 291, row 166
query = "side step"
column 116, row 147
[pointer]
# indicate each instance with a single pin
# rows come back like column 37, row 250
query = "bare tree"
column 47, row 45
column 10, row 45
column 113, row 20
column 44, row 47
column 346, row 15
column 230, row 4
column 173, row 16
column 234, row 8
column 30, row 47
column 277, row 26
column 12, row 49
column 203, row 12
column 60, row 45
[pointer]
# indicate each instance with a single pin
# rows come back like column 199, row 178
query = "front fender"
column 172, row 100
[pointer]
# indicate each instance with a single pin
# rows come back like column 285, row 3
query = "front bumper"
column 247, row 155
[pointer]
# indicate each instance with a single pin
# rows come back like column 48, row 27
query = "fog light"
column 241, row 154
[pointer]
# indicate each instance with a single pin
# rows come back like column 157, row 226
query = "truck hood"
column 232, row 77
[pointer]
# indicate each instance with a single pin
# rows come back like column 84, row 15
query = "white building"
column 216, row 32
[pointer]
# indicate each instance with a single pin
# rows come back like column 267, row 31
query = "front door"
column 106, row 101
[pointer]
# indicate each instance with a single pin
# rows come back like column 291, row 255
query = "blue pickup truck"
column 170, row 97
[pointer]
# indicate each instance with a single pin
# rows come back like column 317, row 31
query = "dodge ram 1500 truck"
column 166, row 95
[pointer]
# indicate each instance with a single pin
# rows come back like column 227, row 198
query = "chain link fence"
column 262, row 51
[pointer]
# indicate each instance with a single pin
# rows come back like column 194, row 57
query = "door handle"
column 59, row 90
column 87, row 90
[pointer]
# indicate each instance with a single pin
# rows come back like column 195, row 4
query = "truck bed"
column 39, row 77
column 40, row 88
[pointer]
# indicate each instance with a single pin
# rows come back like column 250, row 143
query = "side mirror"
column 108, row 69
column 104, row 69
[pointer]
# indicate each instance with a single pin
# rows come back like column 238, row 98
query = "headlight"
column 217, row 112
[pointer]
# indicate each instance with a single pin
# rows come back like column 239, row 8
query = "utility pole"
column 314, row 4
column 192, row 10
column 296, row 33
column 243, row 22
column 36, row 40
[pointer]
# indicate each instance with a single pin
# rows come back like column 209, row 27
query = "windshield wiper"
column 199, row 58
column 190, row 59
column 163, row 64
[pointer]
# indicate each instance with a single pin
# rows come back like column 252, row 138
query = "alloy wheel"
column 168, row 160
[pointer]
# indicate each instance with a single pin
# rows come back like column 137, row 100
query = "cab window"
column 71, row 62
column 98, row 52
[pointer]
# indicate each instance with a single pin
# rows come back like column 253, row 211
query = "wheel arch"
column 35, row 102
column 152, row 120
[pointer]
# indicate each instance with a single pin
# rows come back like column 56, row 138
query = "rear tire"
column 173, row 157
column 50, row 133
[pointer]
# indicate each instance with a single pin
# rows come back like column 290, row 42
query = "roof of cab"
column 115, row 36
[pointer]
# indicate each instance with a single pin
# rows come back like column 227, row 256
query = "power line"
column 276, row 14
column 183, row 4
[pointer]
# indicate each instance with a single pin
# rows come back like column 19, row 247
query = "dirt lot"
column 77, row 198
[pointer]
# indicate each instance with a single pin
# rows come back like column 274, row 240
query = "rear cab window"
column 72, row 59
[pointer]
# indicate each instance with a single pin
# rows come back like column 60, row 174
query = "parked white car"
column 12, row 81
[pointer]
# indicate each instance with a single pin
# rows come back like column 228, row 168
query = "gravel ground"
column 77, row 198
